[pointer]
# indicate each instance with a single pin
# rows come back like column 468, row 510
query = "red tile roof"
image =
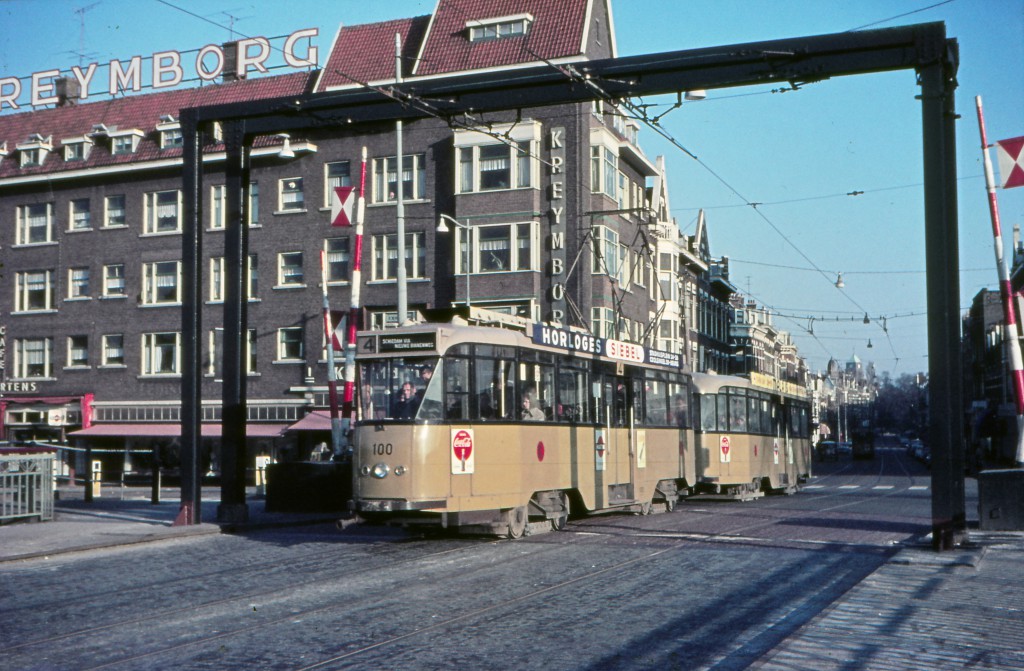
column 557, row 32
column 142, row 112
column 366, row 53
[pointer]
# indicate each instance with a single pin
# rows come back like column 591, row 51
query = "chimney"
column 230, row 72
column 68, row 91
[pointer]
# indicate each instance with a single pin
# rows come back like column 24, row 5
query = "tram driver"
column 405, row 403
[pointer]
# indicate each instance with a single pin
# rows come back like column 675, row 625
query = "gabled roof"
column 366, row 53
column 558, row 31
column 142, row 112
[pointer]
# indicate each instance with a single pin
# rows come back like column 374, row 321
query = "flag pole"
column 348, row 409
column 337, row 436
column 1011, row 336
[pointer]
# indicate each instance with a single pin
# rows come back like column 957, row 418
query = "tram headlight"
column 399, row 470
column 364, row 471
column 380, row 471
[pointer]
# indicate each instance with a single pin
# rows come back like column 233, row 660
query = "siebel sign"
column 166, row 69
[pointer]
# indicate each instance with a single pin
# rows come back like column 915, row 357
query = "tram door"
column 618, row 400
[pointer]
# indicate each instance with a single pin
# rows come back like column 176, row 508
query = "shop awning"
column 154, row 430
column 318, row 420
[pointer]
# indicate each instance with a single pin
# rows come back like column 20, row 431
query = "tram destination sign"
column 412, row 342
column 584, row 343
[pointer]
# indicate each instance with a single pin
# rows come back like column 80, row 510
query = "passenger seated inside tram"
column 531, row 411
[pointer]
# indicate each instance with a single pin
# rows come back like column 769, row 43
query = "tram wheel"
column 558, row 523
column 646, row 508
column 517, row 521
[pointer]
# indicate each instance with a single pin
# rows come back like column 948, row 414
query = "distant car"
column 828, row 449
column 844, row 447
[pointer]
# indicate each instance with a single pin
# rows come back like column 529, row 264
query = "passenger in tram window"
column 531, row 412
column 404, row 406
column 682, row 414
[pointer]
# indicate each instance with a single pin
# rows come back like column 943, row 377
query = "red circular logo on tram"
column 462, row 444
column 540, row 451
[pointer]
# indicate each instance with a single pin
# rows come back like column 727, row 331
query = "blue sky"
column 796, row 153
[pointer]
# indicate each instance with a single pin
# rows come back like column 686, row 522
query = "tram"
column 489, row 429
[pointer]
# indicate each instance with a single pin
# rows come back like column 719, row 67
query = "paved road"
column 712, row 585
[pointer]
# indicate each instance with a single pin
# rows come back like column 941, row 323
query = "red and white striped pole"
column 348, row 409
column 1010, row 334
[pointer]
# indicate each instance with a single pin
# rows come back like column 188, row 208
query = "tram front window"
column 401, row 389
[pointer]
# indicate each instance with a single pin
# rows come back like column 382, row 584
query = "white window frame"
column 291, row 185
column 154, row 202
column 28, row 222
column 602, row 322
column 605, row 251
column 78, row 283
column 338, row 259
column 124, row 142
column 524, row 139
column 513, row 25
column 287, row 278
column 22, row 354
column 79, row 218
column 26, row 289
column 384, row 253
column 114, row 281
column 110, row 345
column 383, row 167
column 480, row 241
column 332, row 182
column 217, row 270
column 155, row 347
column 218, row 207
column 77, row 148
column 286, row 340
column 155, row 282
column 78, row 343
column 253, row 212
column 108, row 211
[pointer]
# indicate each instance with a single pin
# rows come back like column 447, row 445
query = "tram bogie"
column 488, row 430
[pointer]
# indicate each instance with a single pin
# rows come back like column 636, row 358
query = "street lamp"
column 442, row 228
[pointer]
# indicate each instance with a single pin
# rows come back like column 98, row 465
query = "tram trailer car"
column 488, row 429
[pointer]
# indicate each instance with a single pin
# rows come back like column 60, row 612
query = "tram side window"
column 754, row 415
column 657, row 411
column 678, row 393
column 737, row 413
column 536, row 379
column 775, row 416
column 456, row 388
column 494, row 390
column 708, row 412
column 573, row 395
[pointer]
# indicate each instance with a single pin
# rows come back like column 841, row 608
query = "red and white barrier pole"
column 348, row 409
column 1010, row 334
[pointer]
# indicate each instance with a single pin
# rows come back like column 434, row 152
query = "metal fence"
column 26, row 484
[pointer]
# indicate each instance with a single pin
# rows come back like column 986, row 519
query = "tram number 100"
column 380, row 449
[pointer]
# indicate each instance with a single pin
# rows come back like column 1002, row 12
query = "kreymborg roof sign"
column 163, row 69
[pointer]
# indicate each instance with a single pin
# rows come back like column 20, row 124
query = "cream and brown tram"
column 491, row 429
column 752, row 435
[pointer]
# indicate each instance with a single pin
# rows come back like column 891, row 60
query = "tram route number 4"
column 462, row 451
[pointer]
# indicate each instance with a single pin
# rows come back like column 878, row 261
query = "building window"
column 113, row 349
column 34, row 291
column 161, row 353
column 291, row 198
column 115, row 212
column 35, row 224
column 33, row 357
column 31, row 158
column 289, row 270
column 217, row 279
column 76, row 151
column 339, row 259
column 215, row 362
column 606, row 251
column 163, row 212
column 122, row 144
column 80, row 218
column 493, row 29
column 78, row 351
column 495, row 166
column 254, row 276
column 78, row 283
column 603, row 322
column 500, row 248
column 385, row 189
column 161, row 282
column 335, row 175
column 385, row 256
column 289, row 344
column 113, row 280
column 604, row 171
column 254, row 204
column 217, row 207
column 171, row 137
column 250, row 352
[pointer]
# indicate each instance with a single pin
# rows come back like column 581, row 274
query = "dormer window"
column 497, row 28
column 33, row 152
column 76, row 148
column 124, row 141
column 170, row 132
